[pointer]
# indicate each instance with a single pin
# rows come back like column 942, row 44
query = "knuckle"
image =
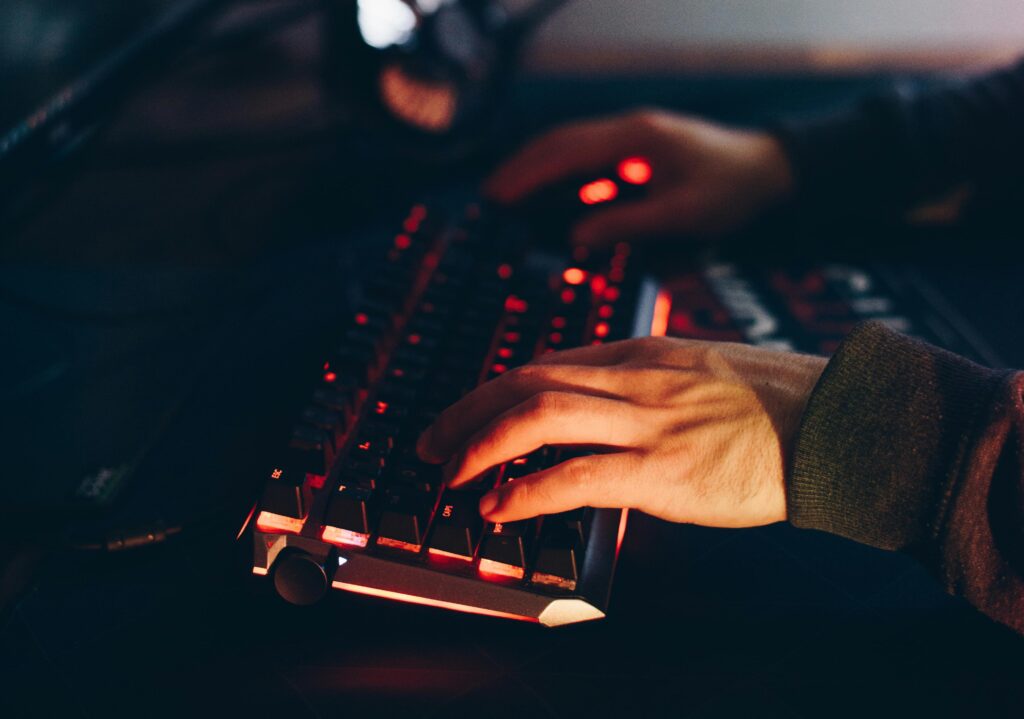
column 545, row 404
column 526, row 375
column 578, row 474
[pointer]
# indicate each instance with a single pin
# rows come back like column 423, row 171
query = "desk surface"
column 703, row 623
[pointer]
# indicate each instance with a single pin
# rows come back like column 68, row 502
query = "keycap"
column 284, row 493
column 403, row 521
column 457, row 525
column 558, row 556
column 575, row 520
column 328, row 421
column 336, row 399
column 310, row 451
column 505, row 547
column 415, row 475
column 347, row 519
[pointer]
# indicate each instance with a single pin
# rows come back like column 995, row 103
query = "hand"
column 708, row 179
column 689, row 431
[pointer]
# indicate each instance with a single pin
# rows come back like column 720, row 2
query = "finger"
column 656, row 216
column 457, row 423
column 565, row 151
column 606, row 480
column 555, row 418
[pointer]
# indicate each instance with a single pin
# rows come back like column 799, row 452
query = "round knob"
column 299, row 578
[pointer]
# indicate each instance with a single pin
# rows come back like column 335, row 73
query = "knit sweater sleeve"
column 892, row 150
column 907, row 447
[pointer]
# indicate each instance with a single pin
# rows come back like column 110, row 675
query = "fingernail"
column 489, row 503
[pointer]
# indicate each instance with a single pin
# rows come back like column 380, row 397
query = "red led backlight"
column 403, row 242
column 270, row 522
column 601, row 329
column 623, row 520
column 335, row 535
column 504, row 271
column 662, row 307
column 362, row 318
column 515, row 304
column 574, row 276
column 330, row 376
column 488, row 568
column 598, row 191
column 635, row 170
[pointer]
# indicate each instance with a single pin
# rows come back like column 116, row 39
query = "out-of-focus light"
column 574, row 276
column 598, row 191
column 662, row 308
column 635, row 170
column 384, row 23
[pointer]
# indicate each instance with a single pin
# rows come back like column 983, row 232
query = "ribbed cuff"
column 883, row 439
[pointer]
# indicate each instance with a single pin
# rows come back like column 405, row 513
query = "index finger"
column 459, row 422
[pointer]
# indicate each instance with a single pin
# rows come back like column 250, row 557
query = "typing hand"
column 707, row 179
column 689, row 431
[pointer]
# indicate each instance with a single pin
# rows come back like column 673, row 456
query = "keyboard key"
column 347, row 520
column 558, row 557
column 310, row 451
column 285, row 501
column 404, row 520
column 505, row 547
column 457, row 525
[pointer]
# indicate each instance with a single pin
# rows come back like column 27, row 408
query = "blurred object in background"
column 428, row 74
column 777, row 36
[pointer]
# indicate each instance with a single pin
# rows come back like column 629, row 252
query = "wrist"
column 772, row 178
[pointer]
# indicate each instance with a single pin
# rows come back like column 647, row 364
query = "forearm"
column 907, row 447
column 892, row 151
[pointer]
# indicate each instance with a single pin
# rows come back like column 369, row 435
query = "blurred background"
column 778, row 35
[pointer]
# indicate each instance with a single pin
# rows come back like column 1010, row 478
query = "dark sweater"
column 904, row 446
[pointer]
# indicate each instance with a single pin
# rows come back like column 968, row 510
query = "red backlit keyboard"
column 446, row 306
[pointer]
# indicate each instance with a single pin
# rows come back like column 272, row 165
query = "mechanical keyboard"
column 446, row 305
